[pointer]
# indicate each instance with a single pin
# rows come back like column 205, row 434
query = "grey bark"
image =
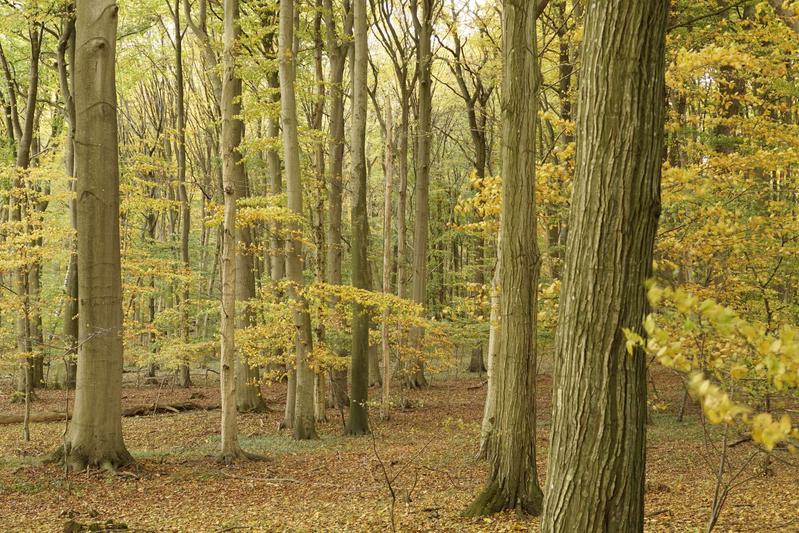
column 95, row 432
column 304, row 427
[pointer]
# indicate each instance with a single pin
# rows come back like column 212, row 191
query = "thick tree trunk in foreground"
column 423, row 24
column 513, row 481
column 304, row 427
column 595, row 477
column 95, row 432
column 233, row 178
column 358, row 421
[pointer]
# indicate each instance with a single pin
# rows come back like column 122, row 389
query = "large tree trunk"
column 184, row 376
column 424, row 31
column 595, row 477
column 512, row 481
column 304, row 427
column 95, row 432
column 233, row 178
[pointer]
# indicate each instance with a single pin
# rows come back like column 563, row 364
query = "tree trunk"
column 489, row 410
column 233, row 178
column 184, row 376
column 424, row 32
column 387, row 251
column 595, row 477
column 248, row 377
column 358, row 421
column 304, row 427
column 95, row 432
column 337, row 51
column 513, row 481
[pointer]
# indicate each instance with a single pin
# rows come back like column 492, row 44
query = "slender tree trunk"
column 337, row 51
column 95, row 432
column 184, row 376
column 357, row 423
column 233, row 178
column 595, row 475
column 25, row 374
column 424, row 32
column 304, row 427
column 489, row 410
column 248, row 376
column 387, row 251
column 513, row 481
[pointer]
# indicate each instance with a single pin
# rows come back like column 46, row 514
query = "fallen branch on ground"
column 139, row 410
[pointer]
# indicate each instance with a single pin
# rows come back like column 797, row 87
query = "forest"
column 399, row 265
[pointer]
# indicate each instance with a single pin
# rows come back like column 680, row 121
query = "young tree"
column 95, row 432
column 304, row 427
column 595, row 475
column 184, row 375
column 512, row 481
column 358, row 422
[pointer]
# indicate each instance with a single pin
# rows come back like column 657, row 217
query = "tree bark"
column 387, row 252
column 66, row 57
column 513, row 481
column 424, row 31
column 304, row 427
column 358, row 421
column 595, row 475
column 232, row 178
column 95, row 432
column 184, row 376
column 337, row 51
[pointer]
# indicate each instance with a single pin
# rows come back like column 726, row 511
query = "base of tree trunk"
column 257, row 407
column 494, row 499
column 77, row 459
column 417, row 380
column 238, row 455
column 184, row 377
column 301, row 432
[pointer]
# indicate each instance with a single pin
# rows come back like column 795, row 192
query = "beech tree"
column 513, row 482
column 304, row 427
column 595, row 473
column 358, row 424
column 233, row 177
column 95, row 431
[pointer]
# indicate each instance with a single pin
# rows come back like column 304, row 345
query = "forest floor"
column 338, row 483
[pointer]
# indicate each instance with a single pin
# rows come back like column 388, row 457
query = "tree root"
column 494, row 499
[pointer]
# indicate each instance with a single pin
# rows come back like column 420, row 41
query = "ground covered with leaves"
column 338, row 483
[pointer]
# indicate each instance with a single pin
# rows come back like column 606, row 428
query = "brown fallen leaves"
column 337, row 483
